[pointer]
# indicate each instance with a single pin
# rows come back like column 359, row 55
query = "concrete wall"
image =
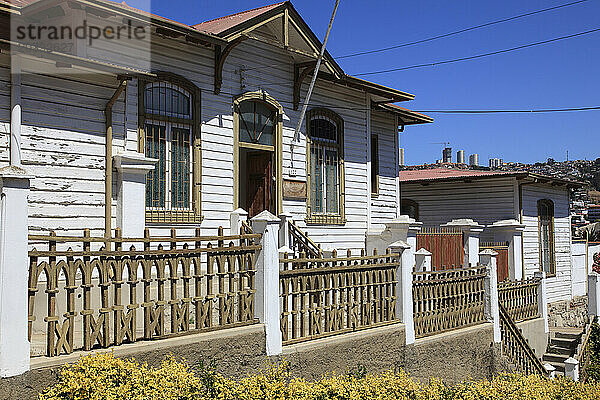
column 452, row 356
column 533, row 330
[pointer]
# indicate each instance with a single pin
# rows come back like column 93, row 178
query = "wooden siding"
column 385, row 205
column 485, row 201
column 4, row 108
column 559, row 286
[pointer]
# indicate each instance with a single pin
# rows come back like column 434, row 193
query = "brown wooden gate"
column 445, row 245
column 502, row 259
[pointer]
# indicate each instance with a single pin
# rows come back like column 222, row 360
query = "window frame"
column 313, row 218
column 549, row 204
column 193, row 215
column 374, row 165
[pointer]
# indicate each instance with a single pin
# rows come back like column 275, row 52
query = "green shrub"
column 105, row 377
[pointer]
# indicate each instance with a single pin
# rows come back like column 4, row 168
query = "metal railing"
column 327, row 296
column 445, row 300
column 520, row 298
column 301, row 243
column 445, row 245
column 516, row 348
column 502, row 259
column 155, row 288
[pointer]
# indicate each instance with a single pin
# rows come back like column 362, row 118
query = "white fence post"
column 284, row 232
column 131, row 196
column 572, row 368
column 423, row 261
column 471, row 231
column 492, row 310
column 594, row 294
column 404, row 283
column 14, row 267
column 235, row 220
column 267, row 280
column 542, row 298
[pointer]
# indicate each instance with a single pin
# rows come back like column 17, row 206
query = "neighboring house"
column 537, row 206
column 212, row 110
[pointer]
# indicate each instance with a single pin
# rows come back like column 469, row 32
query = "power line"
column 454, row 60
column 429, row 39
column 542, row 110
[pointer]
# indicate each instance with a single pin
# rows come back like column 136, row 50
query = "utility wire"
column 492, row 53
column 472, row 28
column 542, row 110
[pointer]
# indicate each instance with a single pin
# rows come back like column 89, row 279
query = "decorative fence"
column 516, row 347
column 502, row 259
column 301, row 243
column 108, row 297
column 327, row 296
column 444, row 244
column 583, row 353
column 445, row 300
column 520, row 298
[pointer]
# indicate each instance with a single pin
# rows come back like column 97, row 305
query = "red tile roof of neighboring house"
column 452, row 174
column 221, row 24
column 446, row 173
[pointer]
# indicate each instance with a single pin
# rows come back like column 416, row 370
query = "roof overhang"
column 522, row 176
column 405, row 116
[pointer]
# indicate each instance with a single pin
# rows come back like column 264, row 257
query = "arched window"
column 169, row 115
column 257, row 122
column 325, row 167
column 546, row 236
column 410, row 208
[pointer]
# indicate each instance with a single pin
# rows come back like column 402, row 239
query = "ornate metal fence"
column 516, row 348
column 156, row 288
column 445, row 300
column 502, row 259
column 327, row 296
column 444, row 244
column 520, row 298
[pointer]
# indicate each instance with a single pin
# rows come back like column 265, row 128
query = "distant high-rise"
column 474, row 160
column 401, row 156
column 447, row 155
column 496, row 162
column 460, row 157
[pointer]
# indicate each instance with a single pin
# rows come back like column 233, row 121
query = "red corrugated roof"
column 221, row 24
column 449, row 173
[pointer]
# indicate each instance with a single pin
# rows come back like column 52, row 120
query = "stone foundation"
column 568, row 313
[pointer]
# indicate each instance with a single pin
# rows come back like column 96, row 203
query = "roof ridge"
column 239, row 13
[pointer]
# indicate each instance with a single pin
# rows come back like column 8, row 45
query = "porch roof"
column 432, row 175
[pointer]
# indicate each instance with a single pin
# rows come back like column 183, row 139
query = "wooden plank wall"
column 4, row 108
column 559, row 287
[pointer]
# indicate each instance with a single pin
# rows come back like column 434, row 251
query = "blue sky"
column 556, row 75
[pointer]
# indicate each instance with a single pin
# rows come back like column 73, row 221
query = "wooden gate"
column 502, row 259
column 445, row 246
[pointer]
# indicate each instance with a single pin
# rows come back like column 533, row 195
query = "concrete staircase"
column 563, row 344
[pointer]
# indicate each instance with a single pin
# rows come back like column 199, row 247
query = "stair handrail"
column 516, row 346
column 583, row 355
column 300, row 242
column 246, row 228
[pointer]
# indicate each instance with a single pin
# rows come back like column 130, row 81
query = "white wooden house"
column 529, row 211
column 210, row 111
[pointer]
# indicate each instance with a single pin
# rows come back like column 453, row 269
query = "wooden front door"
column 259, row 193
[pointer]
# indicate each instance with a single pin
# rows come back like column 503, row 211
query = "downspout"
column 109, row 164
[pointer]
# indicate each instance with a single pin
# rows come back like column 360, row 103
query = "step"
column 551, row 357
column 568, row 351
column 566, row 343
column 560, row 367
column 567, row 335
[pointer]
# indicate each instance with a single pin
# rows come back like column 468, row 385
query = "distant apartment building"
column 447, row 155
column 474, row 160
column 593, row 213
column 401, row 157
column 460, row 157
column 496, row 162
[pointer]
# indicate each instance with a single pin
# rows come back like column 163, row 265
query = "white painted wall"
column 579, row 268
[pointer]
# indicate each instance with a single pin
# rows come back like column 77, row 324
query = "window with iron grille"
column 325, row 167
column 546, row 236
column 169, row 111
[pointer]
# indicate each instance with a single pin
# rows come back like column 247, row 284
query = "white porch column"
column 423, row 261
column 594, row 294
column 284, row 231
column 235, row 220
column 267, row 280
column 543, row 298
column 15, row 110
column 471, row 231
column 511, row 231
column 14, row 267
column 131, row 194
column 404, row 299
column 492, row 311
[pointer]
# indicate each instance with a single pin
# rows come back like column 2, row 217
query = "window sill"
column 374, row 195
column 319, row 219
column 172, row 217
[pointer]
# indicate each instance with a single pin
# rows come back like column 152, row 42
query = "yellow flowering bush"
column 104, row 376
